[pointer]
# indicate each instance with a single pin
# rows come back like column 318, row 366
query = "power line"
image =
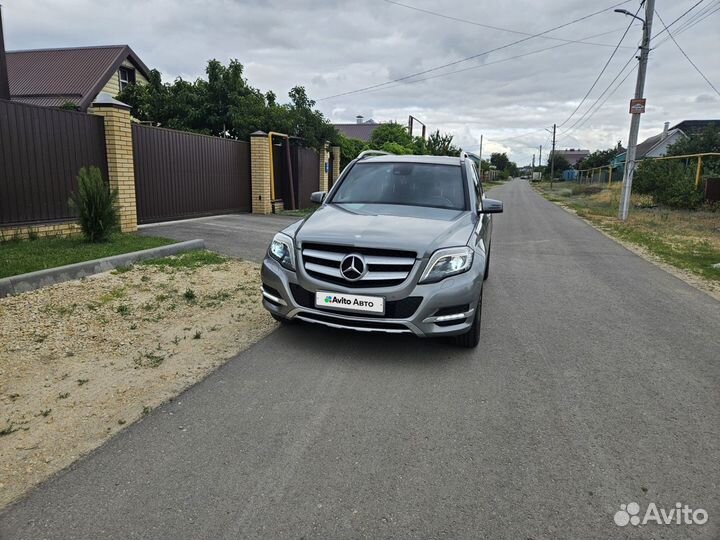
column 491, row 27
column 588, row 114
column 686, row 56
column 446, row 73
column 484, row 53
column 592, row 86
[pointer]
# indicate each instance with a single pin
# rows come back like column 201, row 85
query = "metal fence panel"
column 181, row 175
column 308, row 175
column 41, row 152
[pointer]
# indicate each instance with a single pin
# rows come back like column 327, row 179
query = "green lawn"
column 686, row 239
column 22, row 256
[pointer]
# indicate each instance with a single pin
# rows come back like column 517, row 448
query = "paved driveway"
column 597, row 384
column 246, row 236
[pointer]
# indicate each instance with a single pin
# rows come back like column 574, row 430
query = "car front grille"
column 384, row 267
column 394, row 309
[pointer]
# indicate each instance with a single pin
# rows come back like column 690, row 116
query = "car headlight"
column 281, row 249
column 447, row 262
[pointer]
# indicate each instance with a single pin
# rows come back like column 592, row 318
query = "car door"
column 484, row 224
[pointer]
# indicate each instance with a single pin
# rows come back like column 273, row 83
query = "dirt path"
column 81, row 360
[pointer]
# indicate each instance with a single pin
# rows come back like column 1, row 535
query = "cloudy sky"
column 333, row 47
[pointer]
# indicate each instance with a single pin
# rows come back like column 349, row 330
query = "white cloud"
column 337, row 46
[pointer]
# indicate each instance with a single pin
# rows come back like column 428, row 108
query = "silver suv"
column 399, row 244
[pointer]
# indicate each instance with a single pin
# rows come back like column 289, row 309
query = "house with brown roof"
column 58, row 77
column 657, row 145
column 362, row 129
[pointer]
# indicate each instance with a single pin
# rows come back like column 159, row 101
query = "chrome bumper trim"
column 356, row 328
column 272, row 297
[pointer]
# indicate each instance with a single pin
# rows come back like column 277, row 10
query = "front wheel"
column 486, row 274
column 281, row 320
column 471, row 338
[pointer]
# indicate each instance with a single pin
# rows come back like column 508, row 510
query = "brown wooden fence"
column 41, row 152
column 180, row 175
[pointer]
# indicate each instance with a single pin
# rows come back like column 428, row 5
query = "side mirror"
column 492, row 206
column 318, row 197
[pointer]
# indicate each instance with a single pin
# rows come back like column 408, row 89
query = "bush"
column 94, row 203
column 670, row 182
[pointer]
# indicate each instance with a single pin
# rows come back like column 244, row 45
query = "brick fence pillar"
column 336, row 162
column 324, row 162
column 260, row 173
column 119, row 149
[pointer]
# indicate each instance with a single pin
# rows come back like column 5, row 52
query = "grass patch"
column 189, row 260
column 686, row 239
column 22, row 256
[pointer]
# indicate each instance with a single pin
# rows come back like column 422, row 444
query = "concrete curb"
column 43, row 278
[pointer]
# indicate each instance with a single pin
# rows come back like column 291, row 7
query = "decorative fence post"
column 119, row 149
column 260, row 173
column 324, row 163
column 336, row 162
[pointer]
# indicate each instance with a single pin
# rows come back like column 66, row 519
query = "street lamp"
column 626, row 12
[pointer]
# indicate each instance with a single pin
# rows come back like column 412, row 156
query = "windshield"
column 411, row 184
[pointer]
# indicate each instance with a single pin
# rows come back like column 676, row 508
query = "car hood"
column 410, row 228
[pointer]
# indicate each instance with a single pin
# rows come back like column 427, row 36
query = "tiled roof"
column 52, row 77
column 357, row 131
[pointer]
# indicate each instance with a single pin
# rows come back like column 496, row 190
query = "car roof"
column 392, row 158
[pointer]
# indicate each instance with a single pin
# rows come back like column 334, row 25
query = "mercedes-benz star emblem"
column 353, row 267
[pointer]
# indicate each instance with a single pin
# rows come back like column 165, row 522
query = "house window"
column 127, row 76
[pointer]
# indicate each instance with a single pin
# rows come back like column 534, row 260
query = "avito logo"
column 629, row 514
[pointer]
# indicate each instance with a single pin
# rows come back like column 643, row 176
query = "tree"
column 226, row 102
column 561, row 164
column 599, row 158
column 441, row 145
column 671, row 182
column 349, row 149
column 500, row 160
column 391, row 132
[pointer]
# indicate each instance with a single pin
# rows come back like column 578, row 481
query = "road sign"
column 637, row 106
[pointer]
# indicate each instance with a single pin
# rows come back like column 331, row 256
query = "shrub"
column 94, row 203
column 670, row 182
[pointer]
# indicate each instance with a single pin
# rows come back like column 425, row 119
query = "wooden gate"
column 181, row 175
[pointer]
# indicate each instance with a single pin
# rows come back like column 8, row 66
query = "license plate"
column 350, row 302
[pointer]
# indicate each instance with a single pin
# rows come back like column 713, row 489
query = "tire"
column 486, row 274
column 281, row 320
column 471, row 338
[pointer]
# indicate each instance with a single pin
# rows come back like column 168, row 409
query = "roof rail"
column 366, row 153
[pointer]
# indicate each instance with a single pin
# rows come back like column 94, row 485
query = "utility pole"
column 532, row 168
column 480, row 156
column 637, row 107
column 540, row 162
column 552, row 158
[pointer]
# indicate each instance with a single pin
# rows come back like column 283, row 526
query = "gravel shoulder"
column 81, row 360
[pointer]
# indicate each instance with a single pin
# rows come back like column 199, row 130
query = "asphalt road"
column 239, row 235
column 597, row 384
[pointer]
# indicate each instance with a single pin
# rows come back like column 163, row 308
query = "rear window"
column 410, row 184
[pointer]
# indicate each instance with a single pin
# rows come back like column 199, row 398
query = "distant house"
column 57, row 77
column 362, row 129
column 657, row 145
column 572, row 155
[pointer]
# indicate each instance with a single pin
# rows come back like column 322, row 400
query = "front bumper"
column 412, row 308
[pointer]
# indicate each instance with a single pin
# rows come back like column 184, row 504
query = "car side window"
column 476, row 184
